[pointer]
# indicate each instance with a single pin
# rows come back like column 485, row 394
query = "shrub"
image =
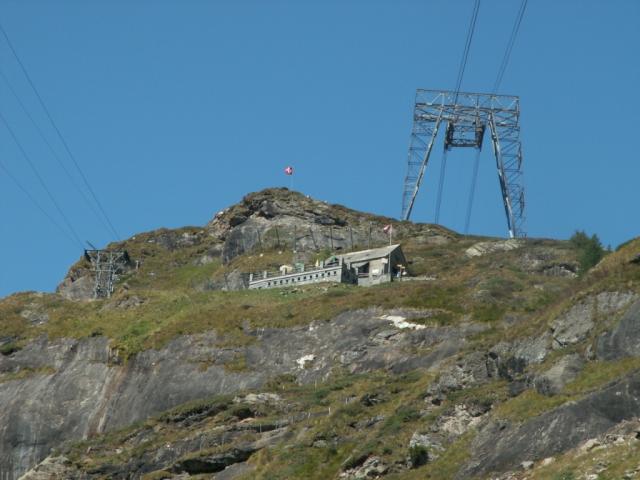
column 8, row 349
column 418, row 456
column 590, row 249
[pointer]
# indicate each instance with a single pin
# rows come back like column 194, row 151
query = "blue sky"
column 177, row 109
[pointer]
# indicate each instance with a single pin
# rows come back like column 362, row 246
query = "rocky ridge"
column 493, row 363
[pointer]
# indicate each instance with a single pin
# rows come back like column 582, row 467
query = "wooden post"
column 278, row 237
column 369, row 242
column 351, row 235
column 331, row 235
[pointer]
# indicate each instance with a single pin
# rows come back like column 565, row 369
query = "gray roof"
column 365, row 255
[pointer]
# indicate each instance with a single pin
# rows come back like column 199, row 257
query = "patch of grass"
column 26, row 373
column 529, row 404
column 487, row 313
column 599, row 373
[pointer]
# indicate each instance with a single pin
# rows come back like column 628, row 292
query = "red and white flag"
column 288, row 170
column 387, row 228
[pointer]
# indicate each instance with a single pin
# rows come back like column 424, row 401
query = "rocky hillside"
column 496, row 359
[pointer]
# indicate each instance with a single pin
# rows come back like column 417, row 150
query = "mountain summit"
column 492, row 358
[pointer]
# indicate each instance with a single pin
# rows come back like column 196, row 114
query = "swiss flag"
column 288, row 170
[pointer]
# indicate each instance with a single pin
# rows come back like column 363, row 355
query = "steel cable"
column 41, row 181
column 59, row 134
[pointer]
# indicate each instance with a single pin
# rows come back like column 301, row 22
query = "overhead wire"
column 443, row 167
column 501, row 71
column 467, row 47
column 59, row 134
column 41, row 180
column 461, row 70
column 472, row 191
column 35, row 202
column 510, row 43
column 53, row 151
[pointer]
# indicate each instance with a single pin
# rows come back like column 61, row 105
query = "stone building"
column 367, row 267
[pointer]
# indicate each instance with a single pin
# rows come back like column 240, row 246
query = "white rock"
column 302, row 361
column 590, row 444
column 483, row 248
column 527, row 465
column 401, row 322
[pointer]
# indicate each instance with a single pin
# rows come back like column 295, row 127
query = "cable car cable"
column 59, row 134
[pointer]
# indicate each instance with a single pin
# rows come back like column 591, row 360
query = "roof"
column 364, row 255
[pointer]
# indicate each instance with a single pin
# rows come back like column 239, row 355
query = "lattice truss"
column 465, row 117
column 107, row 266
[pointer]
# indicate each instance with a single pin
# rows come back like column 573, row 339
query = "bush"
column 418, row 456
column 8, row 349
column 590, row 250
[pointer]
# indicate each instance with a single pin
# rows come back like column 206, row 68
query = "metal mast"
column 107, row 266
column 467, row 115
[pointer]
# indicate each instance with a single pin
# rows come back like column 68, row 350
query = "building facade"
column 364, row 268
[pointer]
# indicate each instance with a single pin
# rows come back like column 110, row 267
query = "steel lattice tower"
column 466, row 116
column 107, row 266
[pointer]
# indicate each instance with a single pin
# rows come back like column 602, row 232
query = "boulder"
column 575, row 325
column 502, row 445
column 624, row 339
column 562, row 372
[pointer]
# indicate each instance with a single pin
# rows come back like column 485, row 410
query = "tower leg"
column 508, row 153
column 419, row 149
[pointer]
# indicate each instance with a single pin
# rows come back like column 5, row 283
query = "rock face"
column 562, row 372
column 503, row 445
column 91, row 392
column 624, row 340
column 483, row 248
column 282, row 219
column 574, row 325
column 369, row 393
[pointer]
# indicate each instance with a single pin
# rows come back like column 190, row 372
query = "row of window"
column 302, row 278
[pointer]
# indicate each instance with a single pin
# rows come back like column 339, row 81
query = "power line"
column 443, row 167
column 60, row 136
column 463, row 65
column 472, row 191
column 41, row 180
column 501, row 71
column 35, row 202
column 510, row 43
column 53, row 151
column 467, row 47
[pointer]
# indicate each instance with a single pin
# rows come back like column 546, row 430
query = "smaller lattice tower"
column 107, row 266
column 465, row 117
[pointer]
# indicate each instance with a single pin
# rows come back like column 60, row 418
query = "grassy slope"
column 483, row 289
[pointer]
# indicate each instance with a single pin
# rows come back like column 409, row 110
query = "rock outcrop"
column 87, row 390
